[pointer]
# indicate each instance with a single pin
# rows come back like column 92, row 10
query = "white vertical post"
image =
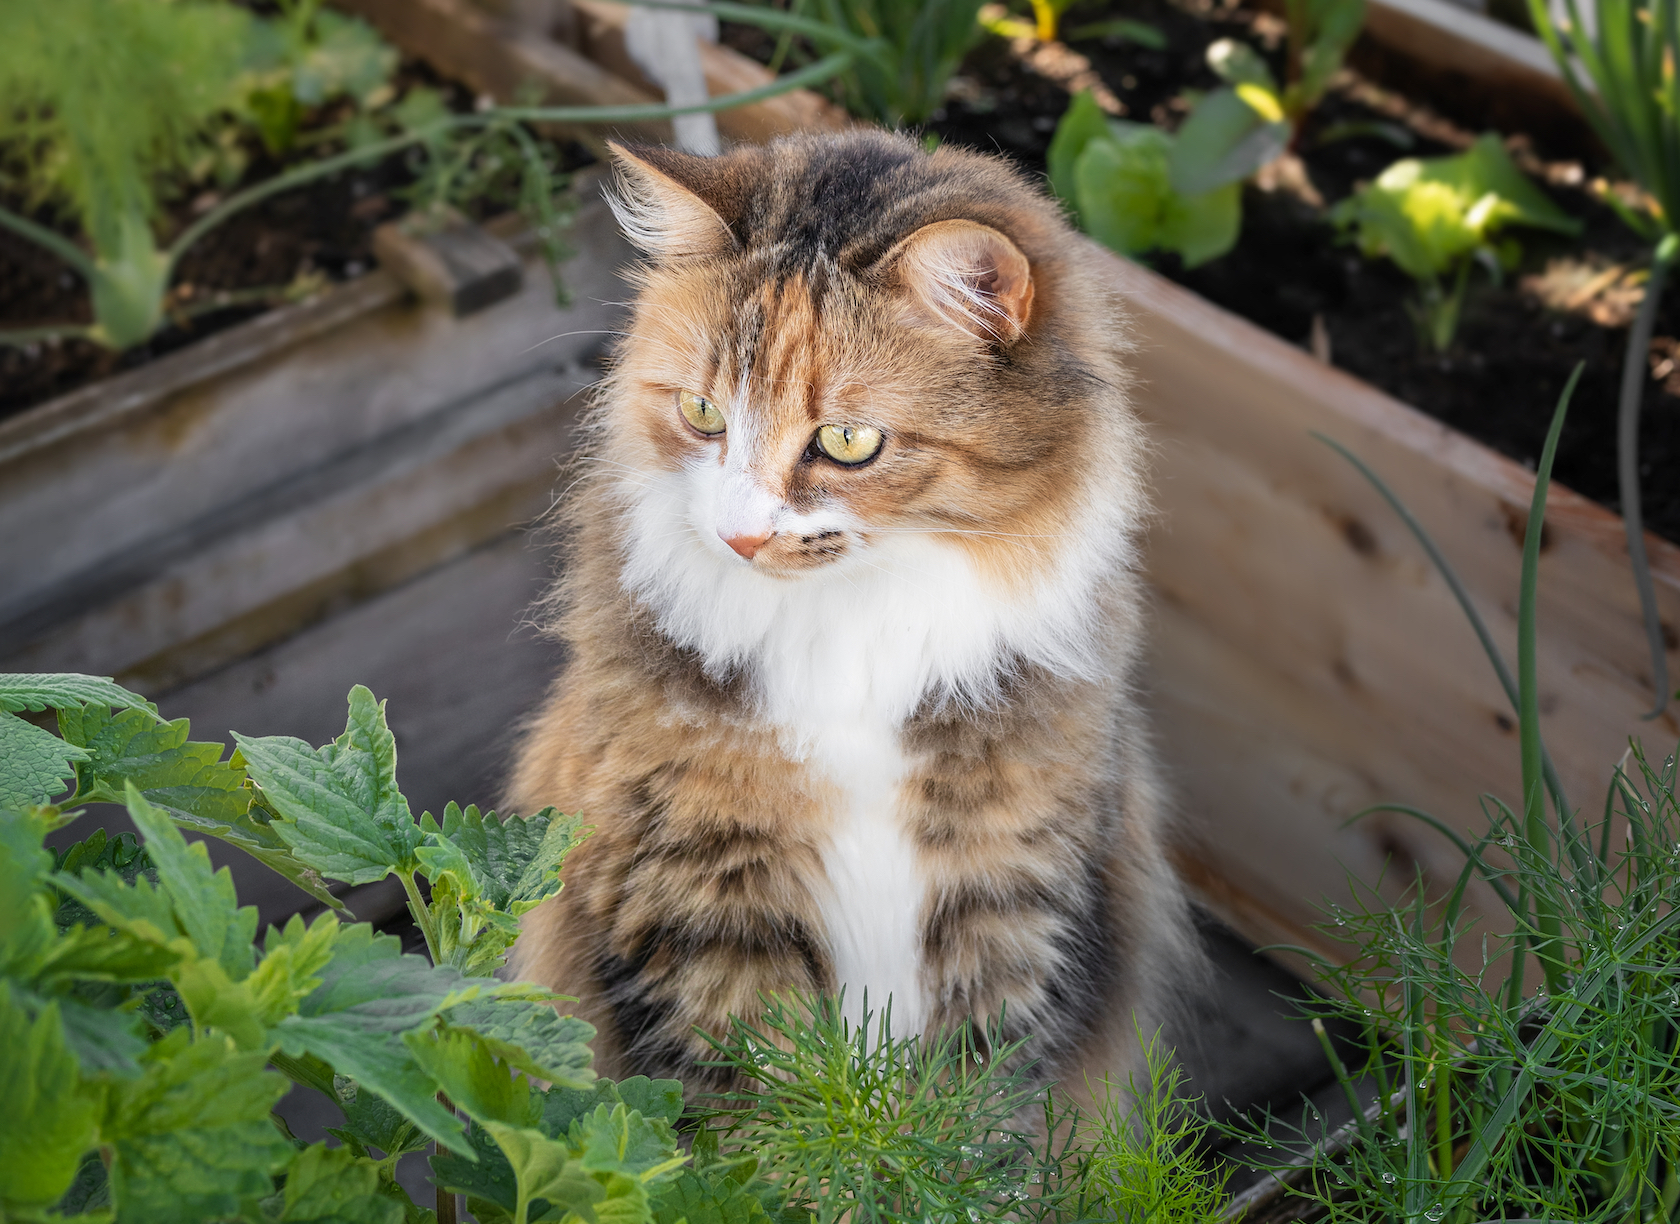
column 665, row 45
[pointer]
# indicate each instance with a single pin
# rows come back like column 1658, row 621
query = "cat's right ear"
column 660, row 213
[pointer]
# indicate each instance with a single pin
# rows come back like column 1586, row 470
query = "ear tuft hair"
column 970, row 276
column 665, row 217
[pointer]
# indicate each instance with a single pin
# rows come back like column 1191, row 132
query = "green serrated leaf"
column 487, row 873
column 103, row 1039
column 205, row 904
column 466, row 1068
column 186, row 778
column 372, row 986
column 618, row 1139
column 533, row 1038
column 89, row 1191
column 38, row 691
column 104, row 954
column 34, row 763
column 372, row 1122
column 369, row 993
column 342, row 812
column 294, row 958
column 379, row 1063
column 191, row 1139
column 26, row 927
column 122, row 854
column 333, row 1186
column 708, row 1198
column 47, row 1120
column 486, row 1179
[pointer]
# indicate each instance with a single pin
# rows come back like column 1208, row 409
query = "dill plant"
column 1144, row 1165
column 1495, row 1100
column 853, row 1123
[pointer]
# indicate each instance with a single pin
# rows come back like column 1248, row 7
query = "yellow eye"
column 849, row 444
column 700, row 412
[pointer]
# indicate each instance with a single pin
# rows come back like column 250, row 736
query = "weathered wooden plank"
column 503, row 57
column 87, row 501
column 252, row 570
column 456, row 265
column 1480, row 70
column 1308, row 662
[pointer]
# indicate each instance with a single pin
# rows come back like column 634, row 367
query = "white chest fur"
column 841, row 659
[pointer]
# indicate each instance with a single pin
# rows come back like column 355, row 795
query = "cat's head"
column 840, row 341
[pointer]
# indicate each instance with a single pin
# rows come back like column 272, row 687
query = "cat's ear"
column 660, row 204
column 968, row 275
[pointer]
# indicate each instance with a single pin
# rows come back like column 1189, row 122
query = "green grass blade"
column 1537, row 837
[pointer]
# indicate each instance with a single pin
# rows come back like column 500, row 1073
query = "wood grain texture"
column 503, row 57
column 1308, row 661
column 228, row 512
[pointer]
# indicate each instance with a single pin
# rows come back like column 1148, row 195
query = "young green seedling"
column 1438, row 217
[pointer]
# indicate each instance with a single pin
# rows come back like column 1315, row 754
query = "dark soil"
column 319, row 232
column 1513, row 353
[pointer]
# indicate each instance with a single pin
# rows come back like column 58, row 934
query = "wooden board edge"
column 1147, row 293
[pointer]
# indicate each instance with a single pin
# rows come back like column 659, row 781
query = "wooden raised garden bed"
column 335, row 491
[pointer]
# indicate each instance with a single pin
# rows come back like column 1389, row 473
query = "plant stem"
column 1443, row 1107
column 34, row 335
column 1536, row 840
column 55, row 242
column 422, row 914
column 1344, row 1079
column 444, row 1200
column 817, row 72
column 1627, row 460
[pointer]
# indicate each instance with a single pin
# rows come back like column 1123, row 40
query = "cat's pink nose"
column 747, row 545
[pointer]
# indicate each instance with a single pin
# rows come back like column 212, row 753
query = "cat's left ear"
column 673, row 205
column 968, row 275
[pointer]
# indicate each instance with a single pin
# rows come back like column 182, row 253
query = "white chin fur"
column 841, row 656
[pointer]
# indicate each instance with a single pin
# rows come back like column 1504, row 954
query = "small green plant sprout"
column 1234, row 131
column 101, row 101
column 1496, row 1100
column 1115, row 177
column 311, row 55
column 1143, row 1144
column 1619, row 59
column 104, row 102
column 1436, row 217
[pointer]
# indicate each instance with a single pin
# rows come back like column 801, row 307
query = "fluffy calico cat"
column 853, row 616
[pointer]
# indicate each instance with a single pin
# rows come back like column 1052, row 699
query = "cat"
column 853, row 612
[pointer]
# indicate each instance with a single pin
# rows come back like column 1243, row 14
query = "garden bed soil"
column 285, row 247
column 1517, row 343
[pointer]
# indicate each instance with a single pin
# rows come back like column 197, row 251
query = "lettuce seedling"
column 1436, row 217
column 1116, row 176
column 1234, row 131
